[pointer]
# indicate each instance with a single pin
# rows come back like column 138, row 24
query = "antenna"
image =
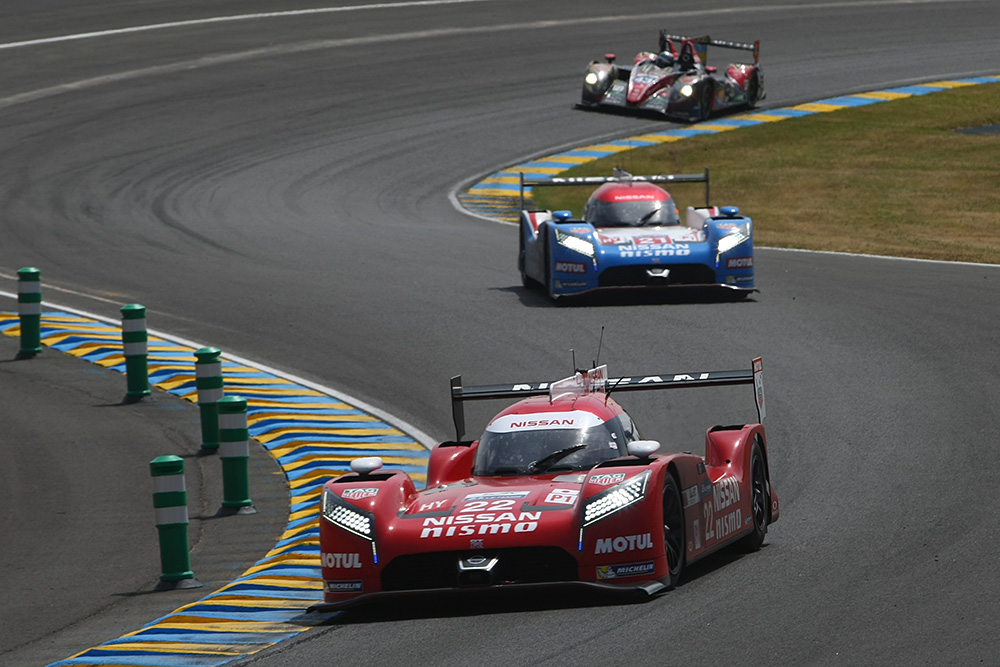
column 599, row 343
column 572, row 353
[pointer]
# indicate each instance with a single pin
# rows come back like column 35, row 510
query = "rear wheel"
column 753, row 90
column 673, row 530
column 760, row 499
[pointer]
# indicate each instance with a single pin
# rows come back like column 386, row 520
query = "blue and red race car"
column 676, row 81
column 559, row 490
column 632, row 236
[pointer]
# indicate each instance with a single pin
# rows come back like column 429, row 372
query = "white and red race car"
column 559, row 490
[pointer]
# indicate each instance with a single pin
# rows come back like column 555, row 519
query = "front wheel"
column 673, row 530
column 705, row 102
column 760, row 500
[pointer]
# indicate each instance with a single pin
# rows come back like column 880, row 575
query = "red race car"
column 560, row 490
column 676, row 81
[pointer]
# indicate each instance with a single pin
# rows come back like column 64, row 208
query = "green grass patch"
column 893, row 178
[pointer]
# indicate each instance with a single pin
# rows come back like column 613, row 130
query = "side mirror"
column 366, row 465
column 643, row 448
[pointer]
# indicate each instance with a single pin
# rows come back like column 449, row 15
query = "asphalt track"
column 278, row 188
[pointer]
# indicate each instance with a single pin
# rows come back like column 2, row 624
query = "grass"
column 893, row 178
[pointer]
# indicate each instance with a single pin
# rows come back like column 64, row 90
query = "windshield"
column 540, row 450
column 631, row 213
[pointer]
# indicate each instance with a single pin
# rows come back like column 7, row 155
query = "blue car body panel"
column 570, row 257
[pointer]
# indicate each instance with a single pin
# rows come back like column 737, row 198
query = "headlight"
column 616, row 498
column 592, row 78
column 734, row 238
column 686, row 90
column 344, row 515
column 575, row 243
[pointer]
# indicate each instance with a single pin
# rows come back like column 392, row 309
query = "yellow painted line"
column 333, row 419
column 948, row 84
column 571, row 159
column 659, row 138
column 883, row 95
column 540, row 170
column 304, row 498
column 502, row 179
column 820, row 108
column 719, row 128
column 310, row 561
column 334, row 430
column 298, row 530
column 304, row 514
column 607, row 148
column 237, row 381
column 766, row 117
column 494, row 192
column 285, row 405
column 253, row 602
column 279, row 392
column 279, row 582
column 217, row 625
column 347, row 457
column 292, row 447
column 184, row 647
column 308, row 541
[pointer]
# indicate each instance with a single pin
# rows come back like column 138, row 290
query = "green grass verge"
column 894, row 178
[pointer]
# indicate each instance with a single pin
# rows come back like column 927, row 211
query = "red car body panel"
column 379, row 535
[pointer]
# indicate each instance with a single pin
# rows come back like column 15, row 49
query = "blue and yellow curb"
column 312, row 435
column 498, row 196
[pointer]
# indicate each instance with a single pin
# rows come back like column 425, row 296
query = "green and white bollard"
column 29, row 308
column 208, row 380
column 170, row 502
column 136, row 349
column 234, row 451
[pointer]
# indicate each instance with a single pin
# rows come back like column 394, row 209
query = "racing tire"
column 548, row 269
column 525, row 280
column 674, row 540
column 753, row 91
column 760, row 500
column 705, row 102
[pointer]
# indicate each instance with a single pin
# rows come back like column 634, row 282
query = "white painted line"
column 233, row 19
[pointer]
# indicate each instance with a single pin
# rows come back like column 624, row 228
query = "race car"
column 676, row 81
column 632, row 236
column 560, row 490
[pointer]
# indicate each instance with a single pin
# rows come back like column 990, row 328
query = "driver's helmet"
column 665, row 60
column 634, row 204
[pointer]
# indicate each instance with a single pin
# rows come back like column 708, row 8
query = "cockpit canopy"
column 539, row 443
column 635, row 204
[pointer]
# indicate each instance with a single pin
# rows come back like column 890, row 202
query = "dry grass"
column 893, row 178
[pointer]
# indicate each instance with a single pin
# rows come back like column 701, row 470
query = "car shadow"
column 535, row 298
column 479, row 602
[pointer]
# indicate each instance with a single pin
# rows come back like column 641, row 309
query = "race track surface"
column 278, row 187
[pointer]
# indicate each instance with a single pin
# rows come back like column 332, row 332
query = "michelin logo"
column 627, row 570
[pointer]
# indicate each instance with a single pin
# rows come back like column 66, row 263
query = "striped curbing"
column 498, row 195
column 312, row 435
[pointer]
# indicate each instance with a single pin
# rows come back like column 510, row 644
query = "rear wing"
column 702, row 42
column 620, row 176
column 753, row 375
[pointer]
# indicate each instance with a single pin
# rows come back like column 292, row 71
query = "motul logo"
column 342, row 560
column 627, row 543
column 739, row 263
column 571, row 267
